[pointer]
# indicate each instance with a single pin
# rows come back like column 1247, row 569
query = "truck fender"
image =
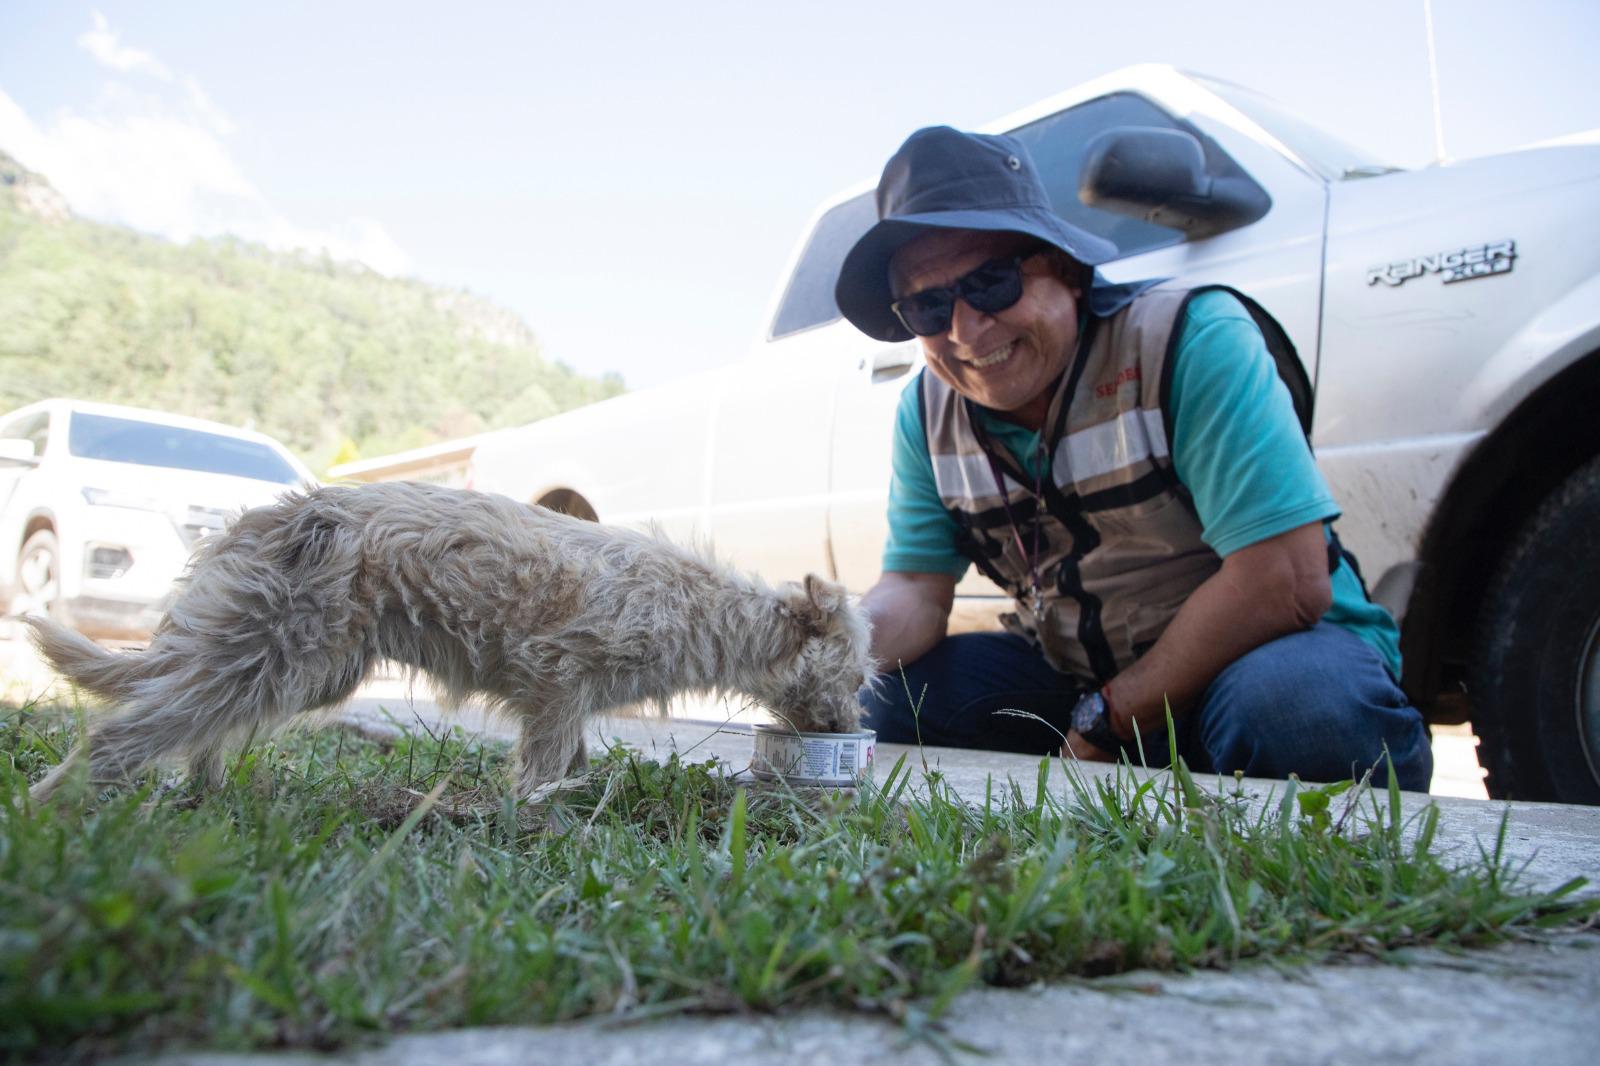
column 1564, row 331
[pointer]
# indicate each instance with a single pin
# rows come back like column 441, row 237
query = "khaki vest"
column 1118, row 541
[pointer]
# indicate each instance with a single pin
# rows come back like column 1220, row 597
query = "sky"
column 632, row 178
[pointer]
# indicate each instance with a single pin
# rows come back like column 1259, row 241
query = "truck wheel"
column 567, row 502
column 1536, row 687
column 38, row 588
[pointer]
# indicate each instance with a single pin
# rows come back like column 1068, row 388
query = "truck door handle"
column 886, row 366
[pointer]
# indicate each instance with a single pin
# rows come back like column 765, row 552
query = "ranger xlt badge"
column 1478, row 261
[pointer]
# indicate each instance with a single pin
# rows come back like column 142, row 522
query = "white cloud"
column 101, row 43
column 152, row 172
column 202, row 107
column 361, row 239
column 158, row 161
column 19, row 136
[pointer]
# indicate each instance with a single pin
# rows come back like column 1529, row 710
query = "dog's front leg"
column 549, row 747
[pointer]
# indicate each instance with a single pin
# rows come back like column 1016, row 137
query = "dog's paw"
column 551, row 788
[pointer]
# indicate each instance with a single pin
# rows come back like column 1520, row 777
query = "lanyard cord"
column 1086, row 331
column 1031, row 558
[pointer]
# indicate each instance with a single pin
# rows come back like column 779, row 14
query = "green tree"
column 331, row 358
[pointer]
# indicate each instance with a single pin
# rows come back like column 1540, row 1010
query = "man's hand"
column 1078, row 748
column 1268, row 590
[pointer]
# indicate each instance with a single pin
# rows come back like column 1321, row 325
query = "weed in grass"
column 335, row 889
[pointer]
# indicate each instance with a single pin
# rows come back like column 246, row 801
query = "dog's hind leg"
column 46, row 786
column 549, row 747
column 324, row 683
column 168, row 719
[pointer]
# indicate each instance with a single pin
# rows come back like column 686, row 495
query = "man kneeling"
column 1127, row 464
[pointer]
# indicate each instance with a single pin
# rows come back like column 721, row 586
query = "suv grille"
column 200, row 522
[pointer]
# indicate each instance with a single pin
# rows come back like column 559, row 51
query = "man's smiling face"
column 1005, row 361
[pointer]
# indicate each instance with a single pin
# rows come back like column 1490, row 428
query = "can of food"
column 837, row 760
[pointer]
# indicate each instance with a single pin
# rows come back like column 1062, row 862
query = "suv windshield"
column 1317, row 148
column 127, row 440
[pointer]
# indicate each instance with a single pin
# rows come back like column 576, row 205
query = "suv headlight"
column 116, row 498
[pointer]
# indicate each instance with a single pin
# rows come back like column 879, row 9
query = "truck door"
column 772, row 434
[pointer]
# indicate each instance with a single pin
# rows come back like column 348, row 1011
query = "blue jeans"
column 1320, row 704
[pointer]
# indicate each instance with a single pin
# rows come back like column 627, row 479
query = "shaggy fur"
column 550, row 618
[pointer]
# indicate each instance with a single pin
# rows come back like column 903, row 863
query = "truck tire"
column 1535, row 689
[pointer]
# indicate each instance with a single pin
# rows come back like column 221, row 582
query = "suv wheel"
column 1536, row 688
column 38, row 587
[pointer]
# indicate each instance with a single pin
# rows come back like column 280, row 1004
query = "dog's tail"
column 108, row 674
column 162, row 708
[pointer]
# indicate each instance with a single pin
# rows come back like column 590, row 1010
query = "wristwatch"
column 1092, row 719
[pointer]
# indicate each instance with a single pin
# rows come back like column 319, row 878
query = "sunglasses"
column 994, row 286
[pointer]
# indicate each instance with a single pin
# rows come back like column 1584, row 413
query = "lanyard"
column 1031, row 558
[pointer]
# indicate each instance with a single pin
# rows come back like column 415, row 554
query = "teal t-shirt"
column 1236, row 446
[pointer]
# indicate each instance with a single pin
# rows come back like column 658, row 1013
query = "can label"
column 813, row 758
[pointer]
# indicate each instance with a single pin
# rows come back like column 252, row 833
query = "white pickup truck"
column 1447, row 319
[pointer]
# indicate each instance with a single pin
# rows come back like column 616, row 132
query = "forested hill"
column 333, row 359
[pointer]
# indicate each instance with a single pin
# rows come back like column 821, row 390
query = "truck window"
column 1056, row 143
column 1317, row 148
column 808, row 301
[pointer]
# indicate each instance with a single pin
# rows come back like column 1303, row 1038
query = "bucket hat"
column 942, row 178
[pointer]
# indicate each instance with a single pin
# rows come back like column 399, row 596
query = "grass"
column 335, row 890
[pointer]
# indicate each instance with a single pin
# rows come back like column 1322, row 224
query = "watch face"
column 1088, row 713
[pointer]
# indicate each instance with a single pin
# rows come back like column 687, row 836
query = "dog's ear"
column 814, row 603
column 824, row 595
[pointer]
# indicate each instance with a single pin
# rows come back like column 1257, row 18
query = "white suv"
column 100, row 506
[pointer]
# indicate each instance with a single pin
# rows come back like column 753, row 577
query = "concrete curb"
column 1517, row 1004
column 1551, row 842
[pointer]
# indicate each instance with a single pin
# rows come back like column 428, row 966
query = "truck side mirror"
column 1160, row 176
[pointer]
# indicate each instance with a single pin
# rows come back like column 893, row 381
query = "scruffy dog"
column 551, row 618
